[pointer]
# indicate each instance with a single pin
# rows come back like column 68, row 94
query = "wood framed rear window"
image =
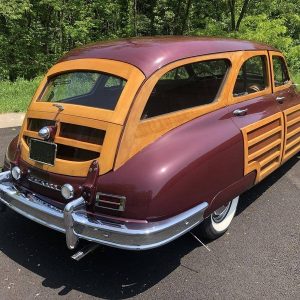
column 86, row 88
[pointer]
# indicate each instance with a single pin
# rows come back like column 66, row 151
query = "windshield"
column 90, row 88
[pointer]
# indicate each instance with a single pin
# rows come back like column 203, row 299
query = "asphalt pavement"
column 258, row 258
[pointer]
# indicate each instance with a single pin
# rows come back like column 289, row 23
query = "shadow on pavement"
column 250, row 196
column 107, row 272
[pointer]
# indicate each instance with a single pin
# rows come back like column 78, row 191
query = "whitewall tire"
column 218, row 222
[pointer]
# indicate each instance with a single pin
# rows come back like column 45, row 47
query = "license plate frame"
column 51, row 151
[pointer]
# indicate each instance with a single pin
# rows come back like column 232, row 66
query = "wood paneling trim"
column 263, row 136
column 291, row 147
column 77, row 144
column 284, row 86
column 264, row 150
column 73, row 168
column 133, row 76
column 269, row 153
column 140, row 133
column 242, row 58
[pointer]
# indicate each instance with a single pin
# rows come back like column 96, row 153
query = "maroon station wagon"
column 132, row 143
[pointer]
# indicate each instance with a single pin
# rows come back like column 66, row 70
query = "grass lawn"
column 15, row 96
column 296, row 78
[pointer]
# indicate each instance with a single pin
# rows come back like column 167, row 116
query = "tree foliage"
column 35, row 33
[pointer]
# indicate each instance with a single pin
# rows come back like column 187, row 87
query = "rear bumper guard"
column 77, row 224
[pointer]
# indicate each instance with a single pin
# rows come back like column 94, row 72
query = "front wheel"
column 218, row 222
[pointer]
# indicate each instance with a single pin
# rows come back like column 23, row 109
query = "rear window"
column 93, row 89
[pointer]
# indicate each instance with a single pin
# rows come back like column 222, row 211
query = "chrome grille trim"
column 44, row 183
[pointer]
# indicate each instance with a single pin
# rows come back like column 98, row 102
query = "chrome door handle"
column 280, row 99
column 240, row 112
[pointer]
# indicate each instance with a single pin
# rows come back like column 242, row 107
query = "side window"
column 186, row 86
column 281, row 75
column 252, row 76
column 178, row 73
column 114, row 82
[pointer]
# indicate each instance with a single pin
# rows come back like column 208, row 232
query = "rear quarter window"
column 187, row 86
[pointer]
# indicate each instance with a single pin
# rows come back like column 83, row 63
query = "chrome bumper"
column 77, row 224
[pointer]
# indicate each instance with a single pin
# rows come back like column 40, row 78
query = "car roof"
column 151, row 53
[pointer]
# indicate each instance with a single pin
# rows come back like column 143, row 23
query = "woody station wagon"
column 132, row 143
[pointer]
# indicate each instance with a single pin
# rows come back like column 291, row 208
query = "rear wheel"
column 218, row 222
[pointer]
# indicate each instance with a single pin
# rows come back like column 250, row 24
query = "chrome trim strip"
column 44, row 183
column 76, row 223
column 120, row 205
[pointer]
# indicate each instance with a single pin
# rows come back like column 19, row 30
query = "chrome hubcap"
column 220, row 214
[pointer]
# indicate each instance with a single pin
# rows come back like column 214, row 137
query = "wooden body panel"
column 242, row 58
column 264, row 142
column 109, row 121
column 140, row 133
column 74, row 168
column 292, row 132
column 133, row 76
column 281, row 87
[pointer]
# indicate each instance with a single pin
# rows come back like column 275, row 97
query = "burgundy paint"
column 89, row 187
column 12, row 148
column 150, row 54
column 171, row 175
column 258, row 108
column 232, row 191
column 291, row 98
column 52, row 130
column 77, row 183
column 185, row 167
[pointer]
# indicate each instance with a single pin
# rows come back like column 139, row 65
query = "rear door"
column 255, row 111
column 289, row 103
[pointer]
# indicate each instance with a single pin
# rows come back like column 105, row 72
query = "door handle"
column 240, row 112
column 280, row 99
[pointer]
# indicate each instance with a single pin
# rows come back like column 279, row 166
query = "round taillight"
column 67, row 191
column 16, row 173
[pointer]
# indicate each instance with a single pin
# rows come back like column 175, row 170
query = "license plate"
column 43, row 152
